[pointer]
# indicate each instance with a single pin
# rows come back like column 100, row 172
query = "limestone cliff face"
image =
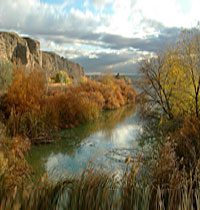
column 26, row 51
column 53, row 62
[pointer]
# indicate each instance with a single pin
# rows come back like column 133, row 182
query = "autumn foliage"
column 77, row 105
column 170, row 85
column 31, row 109
column 26, row 91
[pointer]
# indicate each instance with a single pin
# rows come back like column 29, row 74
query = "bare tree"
column 152, row 83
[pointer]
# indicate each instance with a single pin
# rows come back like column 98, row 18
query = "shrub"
column 31, row 111
column 117, row 93
column 70, row 109
column 26, row 91
column 30, row 123
column 77, row 105
column 62, row 77
column 22, row 103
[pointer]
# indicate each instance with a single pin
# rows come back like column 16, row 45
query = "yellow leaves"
column 62, row 77
column 84, row 79
column 178, row 75
column 49, row 79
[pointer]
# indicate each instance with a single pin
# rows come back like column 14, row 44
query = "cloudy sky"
column 100, row 34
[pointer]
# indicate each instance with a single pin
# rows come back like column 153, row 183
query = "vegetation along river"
column 108, row 141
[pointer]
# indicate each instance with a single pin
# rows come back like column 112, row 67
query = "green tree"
column 62, row 77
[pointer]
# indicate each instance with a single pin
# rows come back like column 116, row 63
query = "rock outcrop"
column 26, row 51
column 54, row 62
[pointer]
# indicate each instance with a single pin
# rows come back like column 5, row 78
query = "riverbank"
column 31, row 110
column 31, row 113
column 165, row 176
column 107, row 140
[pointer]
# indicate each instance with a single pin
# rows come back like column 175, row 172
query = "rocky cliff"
column 26, row 51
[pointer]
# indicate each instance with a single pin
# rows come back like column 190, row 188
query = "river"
column 107, row 141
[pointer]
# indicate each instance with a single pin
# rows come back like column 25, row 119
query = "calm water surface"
column 108, row 141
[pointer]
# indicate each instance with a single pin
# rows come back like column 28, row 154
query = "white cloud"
column 41, row 18
column 128, row 17
column 99, row 35
column 168, row 12
column 194, row 14
column 100, row 4
column 120, row 21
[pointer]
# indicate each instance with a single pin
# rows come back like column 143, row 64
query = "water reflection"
column 108, row 140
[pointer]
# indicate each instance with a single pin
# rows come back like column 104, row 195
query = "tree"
column 171, row 80
column 62, row 77
column 189, row 45
column 152, row 84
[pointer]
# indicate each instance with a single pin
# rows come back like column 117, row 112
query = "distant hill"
column 26, row 51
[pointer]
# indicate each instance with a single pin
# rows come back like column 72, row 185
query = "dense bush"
column 69, row 109
column 22, row 105
column 115, row 93
column 31, row 111
column 77, row 105
column 26, row 91
column 62, row 77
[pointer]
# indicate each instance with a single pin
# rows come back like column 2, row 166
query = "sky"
column 101, row 35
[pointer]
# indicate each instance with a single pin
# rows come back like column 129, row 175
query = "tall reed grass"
column 156, row 180
column 98, row 189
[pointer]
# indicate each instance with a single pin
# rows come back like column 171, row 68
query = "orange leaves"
column 31, row 111
column 117, row 93
column 26, row 91
column 22, row 102
column 81, row 104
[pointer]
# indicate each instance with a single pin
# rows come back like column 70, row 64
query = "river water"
column 107, row 141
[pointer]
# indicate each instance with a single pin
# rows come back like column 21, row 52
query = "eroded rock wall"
column 26, row 51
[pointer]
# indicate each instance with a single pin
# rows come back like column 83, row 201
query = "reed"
column 96, row 188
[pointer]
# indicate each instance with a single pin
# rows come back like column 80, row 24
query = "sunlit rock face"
column 52, row 62
column 26, row 51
